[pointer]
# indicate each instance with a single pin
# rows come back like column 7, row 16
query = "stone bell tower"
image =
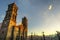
column 25, row 24
column 9, row 21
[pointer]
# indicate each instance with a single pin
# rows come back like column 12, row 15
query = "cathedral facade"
column 9, row 29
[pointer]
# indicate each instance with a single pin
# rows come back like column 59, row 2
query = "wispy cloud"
column 2, row 17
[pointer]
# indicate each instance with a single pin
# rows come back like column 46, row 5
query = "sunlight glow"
column 50, row 7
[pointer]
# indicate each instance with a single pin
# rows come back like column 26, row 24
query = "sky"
column 42, row 15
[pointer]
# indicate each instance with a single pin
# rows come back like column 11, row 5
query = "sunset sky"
column 42, row 15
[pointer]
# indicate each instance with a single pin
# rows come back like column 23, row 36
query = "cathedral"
column 9, row 29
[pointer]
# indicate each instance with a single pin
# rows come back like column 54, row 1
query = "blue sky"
column 42, row 15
